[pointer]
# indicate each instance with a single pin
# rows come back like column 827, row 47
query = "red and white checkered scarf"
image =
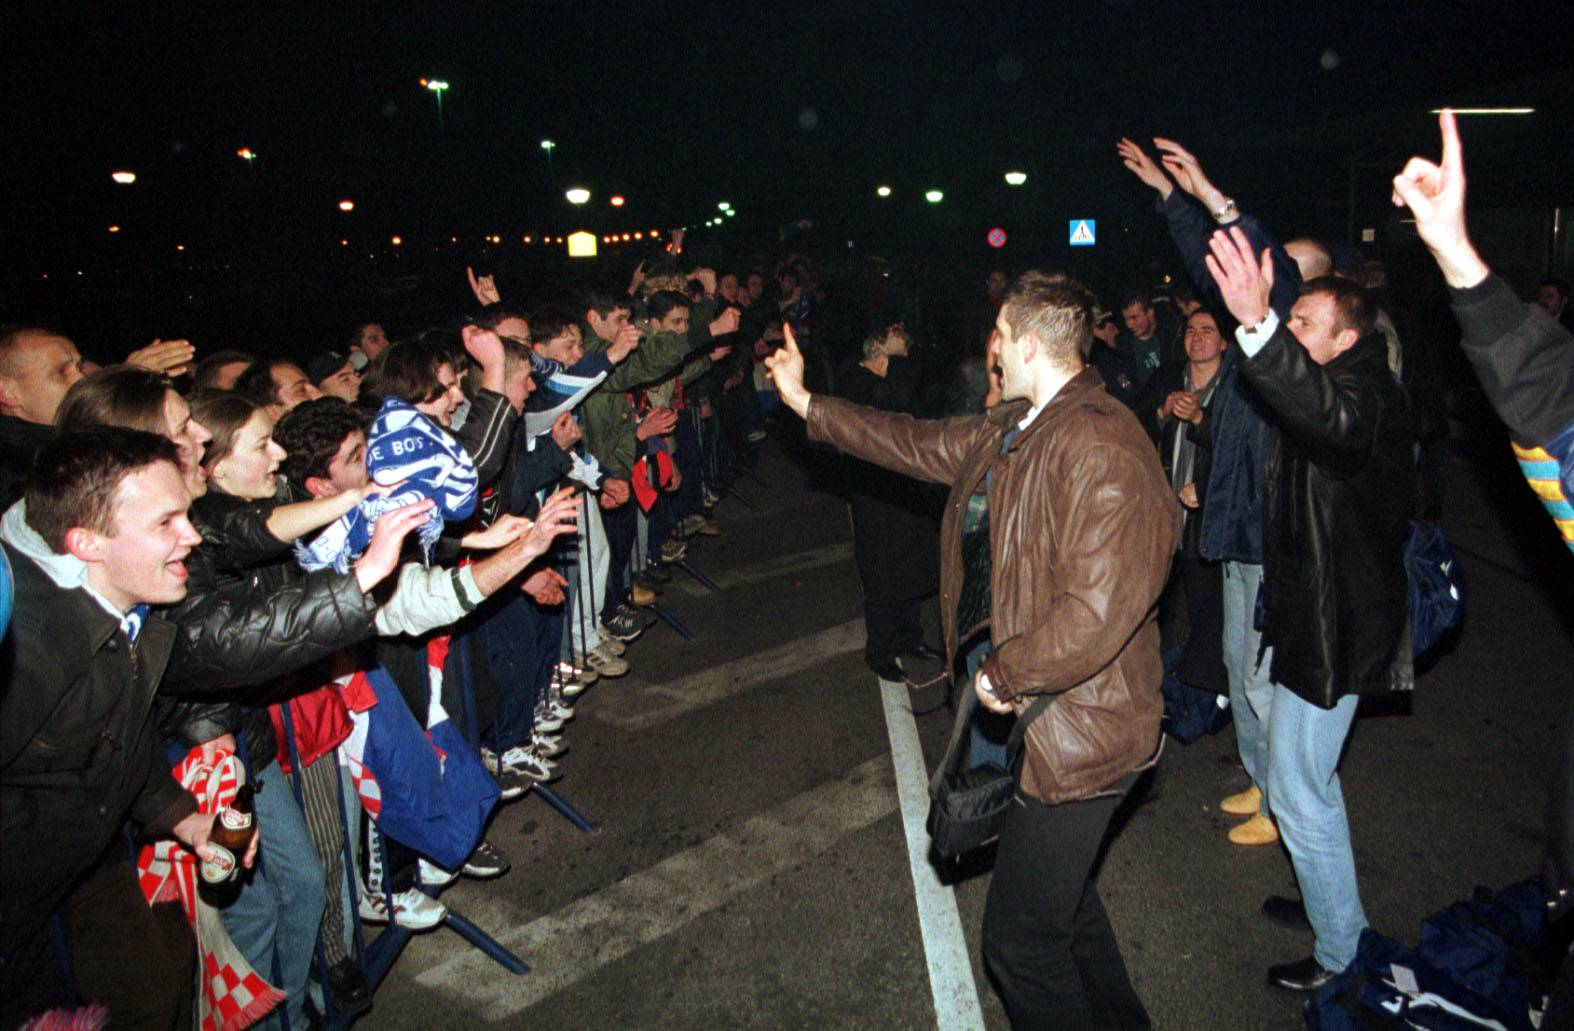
column 233, row 995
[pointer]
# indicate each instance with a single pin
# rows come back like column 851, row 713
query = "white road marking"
column 771, row 569
column 642, row 705
column 577, row 941
column 945, row 948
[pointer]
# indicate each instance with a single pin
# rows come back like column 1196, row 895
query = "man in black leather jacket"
column 1339, row 496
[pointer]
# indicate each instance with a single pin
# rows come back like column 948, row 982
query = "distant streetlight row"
column 933, row 196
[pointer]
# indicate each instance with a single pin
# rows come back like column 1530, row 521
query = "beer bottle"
column 232, row 827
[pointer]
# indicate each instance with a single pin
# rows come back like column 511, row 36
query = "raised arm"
column 925, row 449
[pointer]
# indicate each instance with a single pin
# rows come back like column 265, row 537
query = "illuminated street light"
column 731, row 212
column 396, row 240
column 347, row 205
column 124, row 178
column 639, row 236
column 723, row 206
column 437, row 86
column 1486, row 110
column 934, row 196
column 1016, row 178
column 246, row 154
column 616, row 201
column 114, row 229
column 547, row 146
column 882, row 191
column 577, row 195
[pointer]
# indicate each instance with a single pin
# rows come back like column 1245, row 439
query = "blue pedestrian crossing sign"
column 1084, row 232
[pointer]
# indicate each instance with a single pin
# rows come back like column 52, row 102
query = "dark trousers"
column 136, row 960
column 891, row 629
column 622, row 526
column 1047, row 940
column 691, row 464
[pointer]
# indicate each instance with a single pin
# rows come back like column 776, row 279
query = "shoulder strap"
column 951, row 760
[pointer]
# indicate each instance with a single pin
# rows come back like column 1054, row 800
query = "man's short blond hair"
column 1056, row 309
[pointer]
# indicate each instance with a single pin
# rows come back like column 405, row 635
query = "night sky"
column 787, row 111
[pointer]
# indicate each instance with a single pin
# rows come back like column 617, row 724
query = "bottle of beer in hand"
column 232, row 827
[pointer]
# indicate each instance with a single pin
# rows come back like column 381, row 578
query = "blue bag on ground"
column 1437, row 587
column 1190, row 712
column 1477, row 966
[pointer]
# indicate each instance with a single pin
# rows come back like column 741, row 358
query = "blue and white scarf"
column 405, row 447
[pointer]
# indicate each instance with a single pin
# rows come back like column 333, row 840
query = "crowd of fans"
column 221, row 560
column 253, row 570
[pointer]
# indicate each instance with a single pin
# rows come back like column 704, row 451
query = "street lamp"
column 1016, row 178
column 577, row 194
column 882, row 191
column 723, row 206
column 437, row 86
column 616, row 201
column 124, row 178
column 934, row 196
column 549, row 147
column 246, row 154
column 347, row 205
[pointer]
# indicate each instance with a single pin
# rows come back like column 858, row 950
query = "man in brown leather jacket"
column 1081, row 529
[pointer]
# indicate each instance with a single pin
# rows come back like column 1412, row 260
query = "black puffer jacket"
column 250, row 616
column 1340, row 494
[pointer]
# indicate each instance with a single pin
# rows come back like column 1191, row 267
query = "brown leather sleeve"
column 1116, row 534
column 925, row 449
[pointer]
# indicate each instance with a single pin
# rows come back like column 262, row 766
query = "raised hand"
column 627, row 340
column 658, row 422
column 1142, row 166
column 382, row 554
column 1180, row 163
column 1244, row 283
column 707, row 280
column 483, row 287
column 637, row 279
column 565, row 431
column 725, row 323
column 784, row 367
column 165, row 357
column 559, row 515
column 1435, row 194
column 506, row 530
column 486, row 347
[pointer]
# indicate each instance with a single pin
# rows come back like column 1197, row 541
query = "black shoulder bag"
column 967, row 808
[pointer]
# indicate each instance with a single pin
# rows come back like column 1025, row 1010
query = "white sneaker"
column 611, row 646
column 607, row 665
column 538, row 768
column 434, row 876
column 567, row 671
column 548, row 746
column 545, row 724
column 551, row 709
column 413, row 909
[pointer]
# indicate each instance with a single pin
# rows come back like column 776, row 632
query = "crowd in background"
column 255, row 569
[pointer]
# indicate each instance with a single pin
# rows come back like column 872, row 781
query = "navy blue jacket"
column 1231, row 526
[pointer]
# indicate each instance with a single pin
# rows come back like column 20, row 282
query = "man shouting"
column 1080, row 525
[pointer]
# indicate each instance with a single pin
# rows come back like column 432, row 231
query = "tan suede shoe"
column 1259, row 830
column 1244, row 803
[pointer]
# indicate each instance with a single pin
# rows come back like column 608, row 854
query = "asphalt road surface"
column 752, row 869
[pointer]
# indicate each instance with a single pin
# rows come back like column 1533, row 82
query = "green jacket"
column 606, row 418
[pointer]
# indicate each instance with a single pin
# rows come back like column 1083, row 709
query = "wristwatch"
column 1226, row 210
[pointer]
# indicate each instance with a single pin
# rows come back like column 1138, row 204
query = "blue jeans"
column 1304, row 743
column 279, row 910
column 1251, row 688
